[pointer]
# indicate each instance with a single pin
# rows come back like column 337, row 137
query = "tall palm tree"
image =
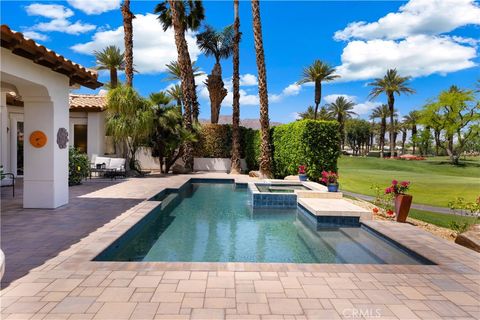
column 341, row 109
column 411, row 120
column 183, row 15
column 382, row 112
column 403, row 127
column 235, row 166
column 128, row 38
column 265, row 162
column 174, row 73
column 317, row 73
column 218, row 44
column 390, row 84
column 110, row 59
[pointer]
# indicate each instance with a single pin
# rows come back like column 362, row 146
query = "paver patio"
column 64, row 283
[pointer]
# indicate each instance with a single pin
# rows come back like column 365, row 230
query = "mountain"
column 247, row 123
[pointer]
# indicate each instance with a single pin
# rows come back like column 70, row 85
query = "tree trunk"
column 217, row 92
column 341, row 128
column 318, row 96
column 128, row 37
column 391, row 103
column 235, row 166
column 266, row 156
column 414, row 137
column 404, row 138
column 436, row 134
column 188, row 81
column 383, row 128
column 113, row 78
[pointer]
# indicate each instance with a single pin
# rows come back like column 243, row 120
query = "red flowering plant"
column 329, row 177
column 383, row 202
column 397, row 188
column 302, row 169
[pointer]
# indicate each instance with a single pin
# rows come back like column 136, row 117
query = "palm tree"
column 128, row 37
column 174, row 73
column 411, row 120
column 183, row 16
column 403, row 127
column 175, row 93
column 382, row 112
column 218, row 44
column 316, row 73
column 110, row 59
column 390, row 84
column 235, row 166
column 265, row 162
column 342, row 110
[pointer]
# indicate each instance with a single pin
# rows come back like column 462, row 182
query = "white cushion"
column 6, row 182
column 117, row 163
column 102, row 160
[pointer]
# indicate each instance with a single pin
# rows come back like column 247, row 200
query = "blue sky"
column 435, row 41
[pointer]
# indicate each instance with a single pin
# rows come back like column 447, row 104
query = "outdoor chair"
column 8, row 180
column 108, row 167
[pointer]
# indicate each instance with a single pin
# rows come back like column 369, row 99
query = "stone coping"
column 334, row 207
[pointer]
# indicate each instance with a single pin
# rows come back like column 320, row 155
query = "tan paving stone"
column 176, row 275
column 258, row 308
column 116, row 295
column 92, row 292
column 192, row 286
column 63, row 285
column 73, row 305
column 141, row 297
column 144, row 311
column 169, row 308
column 122, row 275
column 318, row 291
column 381, row 296
column 25, row 307
column 322, row 314
column 160, row 296
column 115, row 310
column 145, row 281
column 285, row 306
column 402, row 312
column 251, row 298
column 221, row 282
column 192, row 302
column 53, row 296
column 295, row 293
column 460, row 298
column 210, row 314
column 219, row 303
column 25, row 290
column 268, row 286
column 247, row 275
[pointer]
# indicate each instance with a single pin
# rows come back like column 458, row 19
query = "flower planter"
column 402, row 206
column 302, row 177
column 332, row 187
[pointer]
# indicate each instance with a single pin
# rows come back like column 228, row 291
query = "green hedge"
column 215, row 141
column 312, row 143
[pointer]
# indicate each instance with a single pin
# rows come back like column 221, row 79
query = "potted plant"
column 330, row 179
column 302, row 174
column 402, row 200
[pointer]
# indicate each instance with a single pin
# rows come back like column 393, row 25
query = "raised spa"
column 214, row 222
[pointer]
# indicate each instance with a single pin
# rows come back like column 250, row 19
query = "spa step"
column 334, row 208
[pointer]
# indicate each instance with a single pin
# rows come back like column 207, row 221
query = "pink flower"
column 405, row 183
column 394, row 182
column 388, row 190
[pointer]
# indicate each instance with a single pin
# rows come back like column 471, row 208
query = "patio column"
column 4, row 132
column 45, row 168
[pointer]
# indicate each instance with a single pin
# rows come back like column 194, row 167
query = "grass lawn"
column 434, row 181
column 439, row 219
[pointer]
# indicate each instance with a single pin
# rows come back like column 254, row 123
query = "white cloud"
column 63, row 25
column 332, row 97
column 35, row 35
column 152, row 47
column 95, row 6
column 431, row 17
column 59, row 19
column 248, row 80
column 291, row 90
column 415, row 56
column 52, row 11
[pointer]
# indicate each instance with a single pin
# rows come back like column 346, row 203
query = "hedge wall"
column 215, row 141
column 308, row 142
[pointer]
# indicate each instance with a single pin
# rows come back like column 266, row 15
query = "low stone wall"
column 215, row 164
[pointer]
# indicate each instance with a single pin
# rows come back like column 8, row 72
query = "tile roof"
column 29, row 49
column 87, row 102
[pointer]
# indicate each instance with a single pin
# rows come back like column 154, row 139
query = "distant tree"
column 457, row 113
column 218, row 44
column 110, row 59
column 424, row 141
column 342, row 110
column 392, row 83
column 411, row 121
column 381, row 112
column 403, row 128
column 358, row 135
column 317, row 73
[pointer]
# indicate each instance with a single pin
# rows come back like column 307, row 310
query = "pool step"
column 334, row 208
column 318, row 194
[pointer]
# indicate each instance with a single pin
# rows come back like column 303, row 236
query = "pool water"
column 214, row 222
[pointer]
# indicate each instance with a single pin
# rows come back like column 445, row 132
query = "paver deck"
column 66, row 284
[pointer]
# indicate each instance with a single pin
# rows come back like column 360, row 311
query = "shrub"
column 78, row 166
column 251, row 147
column 312, row 143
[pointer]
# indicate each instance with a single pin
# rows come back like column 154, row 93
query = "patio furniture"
column 8, row 180
column 108, row 167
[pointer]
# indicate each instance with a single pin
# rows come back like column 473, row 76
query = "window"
column 80, row 137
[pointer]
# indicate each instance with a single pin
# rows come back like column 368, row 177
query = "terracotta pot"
column 402, row 206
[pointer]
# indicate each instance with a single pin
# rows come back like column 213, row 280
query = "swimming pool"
column 213, row 222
